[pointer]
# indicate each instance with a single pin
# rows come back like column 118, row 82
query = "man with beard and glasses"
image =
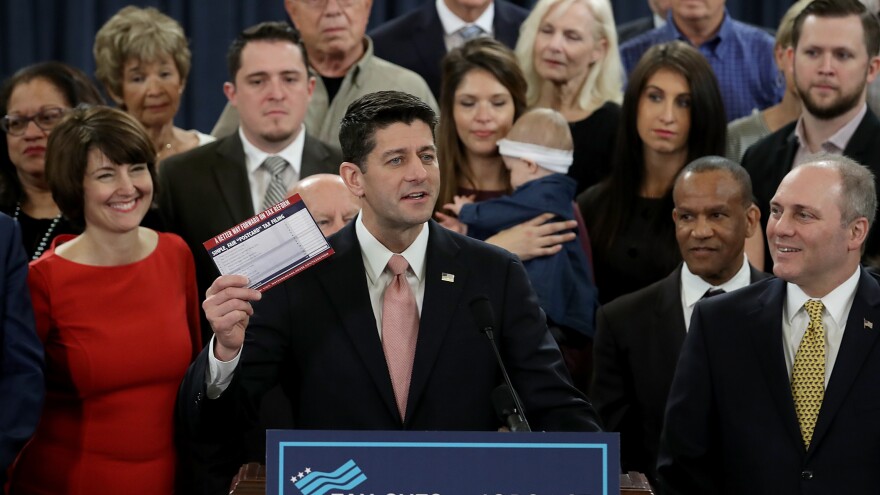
column 834, row 51
column 211, row 188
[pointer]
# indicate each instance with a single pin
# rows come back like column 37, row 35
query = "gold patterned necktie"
column 808, row 372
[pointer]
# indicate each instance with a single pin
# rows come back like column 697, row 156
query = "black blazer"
column 22, row 385
column 770, row 159
column 316, row 335
column 206, row 190
column 631, row 29
column 638, row 339
column 415, row 40
column 731, row 426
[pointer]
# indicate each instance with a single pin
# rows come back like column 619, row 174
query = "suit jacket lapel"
column 858, row 342
column 312, row 157
column 440, row 296
column 669, row 321
column 230, row 173
column 346, row 267
column 430, row 43
column 765, row 328
column 506, row 29
column 859, row 146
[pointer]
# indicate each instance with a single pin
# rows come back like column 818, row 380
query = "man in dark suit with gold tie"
column 776, row 390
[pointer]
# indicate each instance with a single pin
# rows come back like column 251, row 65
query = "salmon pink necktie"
column 400, row 329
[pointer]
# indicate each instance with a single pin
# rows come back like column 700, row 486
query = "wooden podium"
column 251, row 480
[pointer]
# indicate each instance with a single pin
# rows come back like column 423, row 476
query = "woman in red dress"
column 117, row 310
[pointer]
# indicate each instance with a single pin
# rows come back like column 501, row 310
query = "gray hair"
column 858, row 195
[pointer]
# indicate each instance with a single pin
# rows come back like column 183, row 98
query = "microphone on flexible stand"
column 504, row 397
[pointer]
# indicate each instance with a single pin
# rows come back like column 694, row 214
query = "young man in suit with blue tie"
column 397, row 348
column 639, row 335
column 776, row 390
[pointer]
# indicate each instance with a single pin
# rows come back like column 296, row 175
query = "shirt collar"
column 725, row 32
column 254, row 156
column 839, row 139
column 452, row 23
column 376, row 255
column 836, row 302
column 693, row 288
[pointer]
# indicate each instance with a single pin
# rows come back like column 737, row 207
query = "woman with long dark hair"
column 670, row 117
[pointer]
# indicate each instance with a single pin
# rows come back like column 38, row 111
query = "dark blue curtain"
column 37, row 30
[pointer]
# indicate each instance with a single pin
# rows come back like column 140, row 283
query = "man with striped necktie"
column 211, row 188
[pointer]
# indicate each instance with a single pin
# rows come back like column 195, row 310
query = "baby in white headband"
column 538, row 152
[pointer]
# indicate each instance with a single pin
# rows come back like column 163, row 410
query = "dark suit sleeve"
column 689, row 458
column 535, row 364
column 213, row 429
column 611, row 387
column 22, row 387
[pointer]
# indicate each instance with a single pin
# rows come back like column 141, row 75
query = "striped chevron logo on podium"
column 346, row 477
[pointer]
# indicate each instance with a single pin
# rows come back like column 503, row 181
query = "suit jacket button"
column 807, row 474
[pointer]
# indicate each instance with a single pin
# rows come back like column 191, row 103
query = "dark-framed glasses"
column 46, row 119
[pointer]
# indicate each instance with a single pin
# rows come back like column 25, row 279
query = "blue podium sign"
column 300, row 462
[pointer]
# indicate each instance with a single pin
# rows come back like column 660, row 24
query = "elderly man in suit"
column 776, row 389
column 331, row 204
column 22, row 386
column 398, row 348
column 420, row 39
column 639, row 335
column 834, row 57
column 636, row 27
column 342, row 57
column 211, row 188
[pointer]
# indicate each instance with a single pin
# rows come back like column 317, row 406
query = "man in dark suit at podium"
column 356, row 345
column 776, row 389
column 639, row 335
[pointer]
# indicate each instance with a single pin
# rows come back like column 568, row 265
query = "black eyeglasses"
column 46, row 119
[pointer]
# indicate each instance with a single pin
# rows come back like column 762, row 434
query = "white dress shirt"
column 259, row 177
column 795, row 320
column 452, row 24
column 693, row 288
column 375, row 256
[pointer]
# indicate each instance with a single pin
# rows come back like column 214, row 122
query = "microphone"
column 510, row 409
column 505, row 408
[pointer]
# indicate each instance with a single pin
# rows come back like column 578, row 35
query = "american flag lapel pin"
column 447, row 277
column 868, row 324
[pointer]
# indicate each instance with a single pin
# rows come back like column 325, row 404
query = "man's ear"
column 753, row 220
column 858, row 233
column 229, row 91
column 353, row 177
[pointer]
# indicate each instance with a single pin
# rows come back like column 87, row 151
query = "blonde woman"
column 568, row 52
